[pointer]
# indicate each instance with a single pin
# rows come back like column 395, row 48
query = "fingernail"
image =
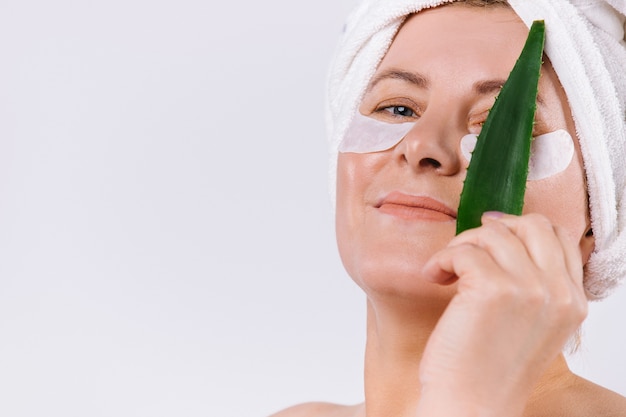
column 493, row 214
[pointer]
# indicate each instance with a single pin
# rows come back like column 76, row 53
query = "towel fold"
column 585, row 41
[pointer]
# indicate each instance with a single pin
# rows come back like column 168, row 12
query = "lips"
column 410, row 207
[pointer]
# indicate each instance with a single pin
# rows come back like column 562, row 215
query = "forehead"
column 460, row 47
column 458, row 37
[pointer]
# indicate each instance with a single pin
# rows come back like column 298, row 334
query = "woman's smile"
column 415, row 208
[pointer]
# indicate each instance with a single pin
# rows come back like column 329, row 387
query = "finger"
column 507, row 250
column 578, row 304
column 573, row 257
column 538, row 236
column 463, row 260
column 556, row 257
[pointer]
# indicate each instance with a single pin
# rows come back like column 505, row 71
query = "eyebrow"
column 488, row 86
column 480, row 87
column 494, row 86
column 414, row 78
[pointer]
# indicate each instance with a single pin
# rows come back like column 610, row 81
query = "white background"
column 166, row 237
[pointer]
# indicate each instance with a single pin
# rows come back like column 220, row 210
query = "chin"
column 388, row 270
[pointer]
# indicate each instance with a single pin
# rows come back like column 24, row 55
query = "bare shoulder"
column 579, row 397
column 595, row 400
column 318, row 409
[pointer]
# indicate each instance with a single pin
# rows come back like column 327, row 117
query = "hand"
column 520, row 297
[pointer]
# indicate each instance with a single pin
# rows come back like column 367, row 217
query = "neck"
column 396, row 339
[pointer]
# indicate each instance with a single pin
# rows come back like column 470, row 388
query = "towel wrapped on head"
column 586, row 44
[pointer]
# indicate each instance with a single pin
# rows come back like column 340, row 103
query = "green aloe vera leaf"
column 496, row 176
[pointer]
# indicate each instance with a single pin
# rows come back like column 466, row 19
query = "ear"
column 586, row 244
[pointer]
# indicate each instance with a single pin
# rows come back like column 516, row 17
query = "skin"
column 471, row 325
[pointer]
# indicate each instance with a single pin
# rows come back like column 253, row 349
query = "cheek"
column 354, row 176
column 350, row 189
column 562, row 198
column 358, row 233
column 342, row 209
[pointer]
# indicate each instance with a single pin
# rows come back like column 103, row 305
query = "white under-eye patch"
column 367, row 134
column 550, row 153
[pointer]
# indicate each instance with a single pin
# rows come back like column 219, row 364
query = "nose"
column 431, row 146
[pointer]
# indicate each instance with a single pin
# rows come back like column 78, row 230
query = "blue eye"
column 398, row 113
column 401, row 111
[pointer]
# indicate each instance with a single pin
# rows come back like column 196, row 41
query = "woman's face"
column 397, row 207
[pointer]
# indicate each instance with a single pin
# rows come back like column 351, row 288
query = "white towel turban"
column 586, row 45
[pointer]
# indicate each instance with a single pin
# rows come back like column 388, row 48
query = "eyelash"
column 395, row 111
column 478, row 121
column 537, row 130
column 399, row 110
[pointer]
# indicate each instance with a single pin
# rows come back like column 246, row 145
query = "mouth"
column 410, row 207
